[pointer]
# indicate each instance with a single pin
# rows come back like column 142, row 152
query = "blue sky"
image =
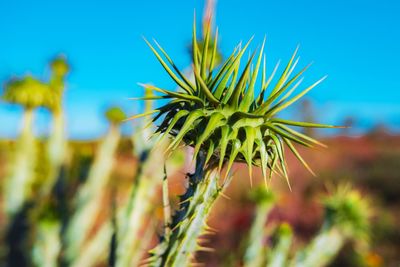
column 355, row 42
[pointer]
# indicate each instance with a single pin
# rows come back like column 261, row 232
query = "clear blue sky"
column 355, row 42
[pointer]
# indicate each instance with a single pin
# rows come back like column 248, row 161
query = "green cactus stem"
column 181, row 238
column 57, row 142
column 19, row 184
column 278, row 255
column 31, row 94
column 346, row 218
column 90, row 194
column 95, row 251
column 255, row 252
column 134, row 215
column 47, row 244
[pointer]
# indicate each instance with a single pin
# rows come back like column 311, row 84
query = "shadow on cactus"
column 220, row 114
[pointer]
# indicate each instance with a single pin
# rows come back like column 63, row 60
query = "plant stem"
column 47, row 246
column 189, row 222
column 278, row 255
column 255, row 252
column 88, row 201
column 322, row 250
column 56, row 151
column 18, row 186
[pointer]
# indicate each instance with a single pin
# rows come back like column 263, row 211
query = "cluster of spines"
column 218, row 113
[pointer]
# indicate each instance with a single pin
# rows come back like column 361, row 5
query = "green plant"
column 87, row 203
column 31, row 94
column 220, row 116
column 346, row 219
column 57, row 141
column 255, row 252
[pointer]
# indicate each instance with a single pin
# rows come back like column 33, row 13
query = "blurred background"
column 354, row 42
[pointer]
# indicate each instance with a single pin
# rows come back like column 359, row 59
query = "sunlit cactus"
column 88, row 200
column 181, row 238
column 115, row 115
column 221, row 115
column 30, row 94
column 134, row 215
column 59, row 67
column 57, row 142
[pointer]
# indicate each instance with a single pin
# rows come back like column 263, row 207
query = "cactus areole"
column 229, row 111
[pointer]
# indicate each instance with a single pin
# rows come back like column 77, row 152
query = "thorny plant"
column 222, row 117
column 220, row 114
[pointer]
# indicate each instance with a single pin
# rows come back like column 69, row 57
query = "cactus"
column 88, row 200
column 346, row 218
column 181, row 238
column 278, row 256
column 255, row 252
column 57, row 142
column 132, row 216
column 47, row 245
column 31, row 94
column 219, row 115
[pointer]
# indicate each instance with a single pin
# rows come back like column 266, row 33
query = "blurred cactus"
column 255, row 252
column 282, row 240
column 115, row 115
column 31, row 94
column 88, row 200
column 131, row 218
column 47, row 245
column 346, row 219
column 57, row 142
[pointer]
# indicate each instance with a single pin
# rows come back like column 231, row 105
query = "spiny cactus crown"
column 347, row 209
column 115, row 115
column 59, row 66
column 28, row 92
column 220, row 114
